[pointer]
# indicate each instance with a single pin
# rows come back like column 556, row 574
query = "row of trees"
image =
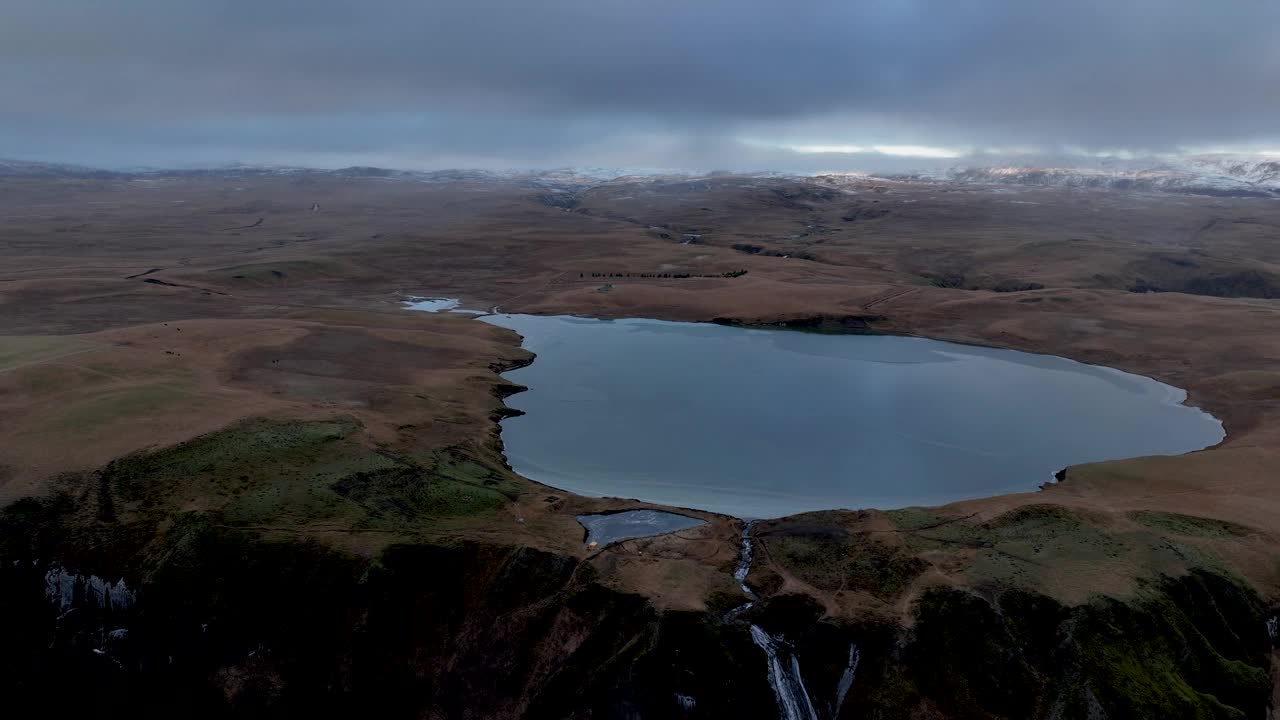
column 666, row 276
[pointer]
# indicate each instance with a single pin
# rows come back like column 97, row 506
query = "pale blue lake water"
column 608, row 528
column 764, row 423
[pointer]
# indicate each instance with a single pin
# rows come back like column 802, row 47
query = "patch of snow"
column 1193, row 174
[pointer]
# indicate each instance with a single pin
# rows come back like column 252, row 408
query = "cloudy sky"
column 743, row 84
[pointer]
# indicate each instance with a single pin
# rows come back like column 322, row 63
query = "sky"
column 692, row 84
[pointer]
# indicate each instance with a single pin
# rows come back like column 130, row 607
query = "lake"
column 764, row 423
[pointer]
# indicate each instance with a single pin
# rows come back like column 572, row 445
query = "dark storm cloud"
column 641, row 82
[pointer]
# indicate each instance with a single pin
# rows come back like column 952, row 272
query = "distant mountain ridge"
column 1231, row 175
column 1224, row 175
column 22, row 168
column 569, row 176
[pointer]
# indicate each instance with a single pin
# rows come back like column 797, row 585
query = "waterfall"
column 744, row 565
column 784, row 677
column 846, row 680
column 784, row 666
column 740, row 574
column 61, row 586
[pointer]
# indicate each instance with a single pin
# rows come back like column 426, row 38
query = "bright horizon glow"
column 921, row 151
column 1231, row 150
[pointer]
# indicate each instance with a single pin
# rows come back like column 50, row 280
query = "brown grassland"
column 138, row 313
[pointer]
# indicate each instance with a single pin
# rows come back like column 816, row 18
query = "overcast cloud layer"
column 648, row 83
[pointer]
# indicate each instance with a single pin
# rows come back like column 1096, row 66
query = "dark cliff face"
column 227, row 624
column 111, row 604
column 1191, row 647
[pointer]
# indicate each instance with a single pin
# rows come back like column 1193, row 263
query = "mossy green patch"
column 1047, row 547
column 1043, row 520
column 846, row 563
column 922, row 529
column 1189, row 525
column 409, row 492
column 245, row 453
column 304, row 495
column 916, row 518
column 1191, row 647
column 304, row 474
column 1054, row 549
column 1175, row 653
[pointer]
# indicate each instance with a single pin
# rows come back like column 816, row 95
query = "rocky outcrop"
column 113, row 603
column 1190, row 647
column 228, row 623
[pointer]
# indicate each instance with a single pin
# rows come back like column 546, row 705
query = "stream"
column 785, row 677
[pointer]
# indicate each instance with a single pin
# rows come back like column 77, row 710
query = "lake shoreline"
column 1057, row 471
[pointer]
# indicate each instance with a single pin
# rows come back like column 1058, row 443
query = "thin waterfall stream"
column 744, row 563
column 740, row 573
column 785, row 677
column 846, row 680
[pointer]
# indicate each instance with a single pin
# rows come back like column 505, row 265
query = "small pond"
column 435, row 305
column 608, row 528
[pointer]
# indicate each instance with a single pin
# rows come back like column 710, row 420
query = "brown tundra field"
column 210, row 391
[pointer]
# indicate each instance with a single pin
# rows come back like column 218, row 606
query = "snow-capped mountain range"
column 1235, row 175
column 1230, row 175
